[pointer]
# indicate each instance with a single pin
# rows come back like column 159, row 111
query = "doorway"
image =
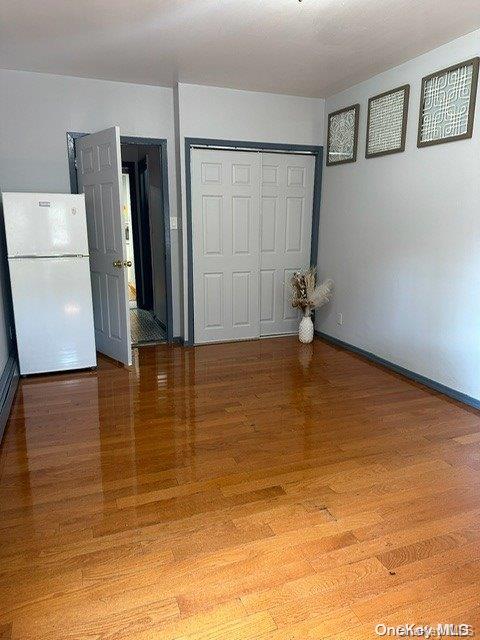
column 144, row 243
column 145, row 226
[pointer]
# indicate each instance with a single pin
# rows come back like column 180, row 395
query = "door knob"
column 118, row 263
column 127, row 263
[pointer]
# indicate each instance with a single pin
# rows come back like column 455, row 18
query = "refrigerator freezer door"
column 45, row 224
column 52, row 304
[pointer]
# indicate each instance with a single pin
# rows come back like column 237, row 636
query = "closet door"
column 285, row 236
column 225, row 229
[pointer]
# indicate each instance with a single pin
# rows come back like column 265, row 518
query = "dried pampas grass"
column 306, row 294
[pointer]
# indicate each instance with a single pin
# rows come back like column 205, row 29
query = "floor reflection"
column 177, row 415
column 179, row 480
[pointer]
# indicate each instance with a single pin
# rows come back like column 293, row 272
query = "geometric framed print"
column 342, row 135
column 447, row 104
column 387, row 122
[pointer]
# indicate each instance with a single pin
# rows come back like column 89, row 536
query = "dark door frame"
column 161, row 144
column 243, row 145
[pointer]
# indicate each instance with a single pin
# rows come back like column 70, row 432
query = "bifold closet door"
column 225, row 230
column 285, row 236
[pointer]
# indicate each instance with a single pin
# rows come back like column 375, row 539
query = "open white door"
column 99, row 171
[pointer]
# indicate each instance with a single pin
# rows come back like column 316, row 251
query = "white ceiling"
column 310, row 48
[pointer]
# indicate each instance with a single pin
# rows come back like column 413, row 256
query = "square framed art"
column 342, row 135
column 387, row 122
column 447, row 104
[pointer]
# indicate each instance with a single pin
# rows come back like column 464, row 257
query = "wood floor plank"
column 317, row 626
column 421, row 549
column 248, row 628
column 416, row 591
column 289, row 593
column 263, row 490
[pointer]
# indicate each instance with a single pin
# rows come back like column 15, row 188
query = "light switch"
column 173, row 223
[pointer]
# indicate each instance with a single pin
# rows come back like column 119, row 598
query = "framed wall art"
column 387, row 122
column 447, row 104
column 342, row 135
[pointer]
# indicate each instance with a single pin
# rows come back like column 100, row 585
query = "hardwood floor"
column 261, row 490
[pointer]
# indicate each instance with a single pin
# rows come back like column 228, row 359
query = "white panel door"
column 99, row 170
column 285, row 236
column 225, row 226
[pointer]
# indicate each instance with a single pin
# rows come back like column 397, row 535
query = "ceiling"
column 309, row 48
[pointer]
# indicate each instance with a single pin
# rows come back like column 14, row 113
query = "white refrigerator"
column 48, row 260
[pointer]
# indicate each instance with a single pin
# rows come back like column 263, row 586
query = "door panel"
column 225, row 225
column 267, row 300
column 294, row 225
column 268, row 222
column 241, row 224
column 213, row 283
column 241, row 298
column 286, row 228
column 212, row 209
column 99, row 177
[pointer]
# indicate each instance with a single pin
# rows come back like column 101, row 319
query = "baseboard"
column 416, row 377
column 178, row 340
column 8, row 387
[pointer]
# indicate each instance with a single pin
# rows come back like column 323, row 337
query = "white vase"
column 305, row 330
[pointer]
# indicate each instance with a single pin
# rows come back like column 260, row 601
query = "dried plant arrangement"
column 307, row 295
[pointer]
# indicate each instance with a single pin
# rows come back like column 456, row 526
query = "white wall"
column 229, row 114
column 400, row 235
column 36, row 111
